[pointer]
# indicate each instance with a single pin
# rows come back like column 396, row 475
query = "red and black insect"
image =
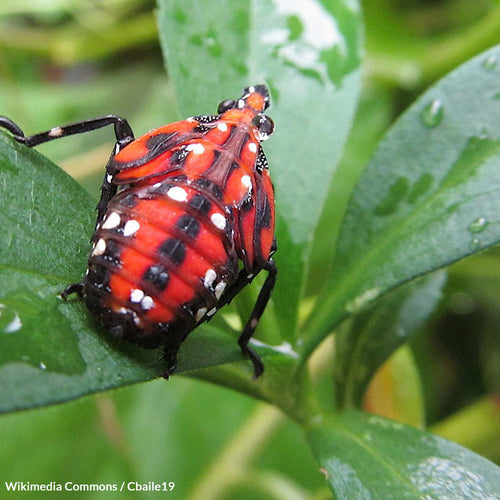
column 185, row 221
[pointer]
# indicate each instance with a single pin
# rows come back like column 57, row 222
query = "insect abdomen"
column 162, row 258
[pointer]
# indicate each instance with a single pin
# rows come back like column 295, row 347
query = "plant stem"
column 233, row 461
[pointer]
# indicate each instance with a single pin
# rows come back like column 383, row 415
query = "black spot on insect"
column 161, row 188
column 98, row 276
column 158, row 276
column 179, row 156
column 265, row 216
column 174, row 249
column 189, row 225
column 179, row 179
column 193, row 306
column 247, row 205
column 209, row 186
column 217, row 155
column 200, row 203
column 129, row 200
column 112, row 253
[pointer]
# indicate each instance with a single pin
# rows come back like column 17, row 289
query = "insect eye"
column 226, row 105
column 264, row 126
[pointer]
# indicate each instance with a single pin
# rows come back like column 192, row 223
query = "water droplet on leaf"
column 475, row 244
column 490, row 62
column 478, row 226
column 432, row 114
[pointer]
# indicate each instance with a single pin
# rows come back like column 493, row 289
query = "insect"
column 185, row 221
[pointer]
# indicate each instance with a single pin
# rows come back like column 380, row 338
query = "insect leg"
column 123, row 131
column 253, row 320
column 176, row 336
column 124, row 136
column 265, row 293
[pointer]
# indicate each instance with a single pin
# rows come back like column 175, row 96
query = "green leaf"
column 309, row 57
column 365, row 456
column 430, row 196
column 52, row 350
column 375, row 334
column 31, row 239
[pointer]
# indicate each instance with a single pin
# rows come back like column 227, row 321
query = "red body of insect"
column 185, row 221
column 198, row 198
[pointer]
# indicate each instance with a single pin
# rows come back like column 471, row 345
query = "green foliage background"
column 356, row 218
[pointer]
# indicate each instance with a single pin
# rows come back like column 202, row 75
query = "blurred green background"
column 65, row 61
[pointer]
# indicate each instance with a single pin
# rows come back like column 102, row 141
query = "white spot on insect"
column 131, row 227
column 136, row 295
column 100, row 247
column 251, row 89
column 157, row 185
column 218, row 220
column 222, row 127
column 196, row 148
column 177, row 193
column 113, row 220
column 122, row 310
column 247, row 182
column 212, row 311
column 210, row 276
column 219, row 289
column 109, row 178
column 200, row 313
column 252, row 147
column 56, row 132
column 241, row 103
column 147, row 303
column 190, row 119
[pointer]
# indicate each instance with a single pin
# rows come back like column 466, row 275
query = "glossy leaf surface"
column 430, row 195
column 364, row 456
column 375, row 334
column 308, row 55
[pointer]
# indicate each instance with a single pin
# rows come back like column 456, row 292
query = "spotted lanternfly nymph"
column 185, row 221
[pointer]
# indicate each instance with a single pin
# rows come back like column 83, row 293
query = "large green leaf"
column 430, row 196
column 375, row 334
column 308, row 55
column 52, row 350
column 49, row 352
column 365, row 456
